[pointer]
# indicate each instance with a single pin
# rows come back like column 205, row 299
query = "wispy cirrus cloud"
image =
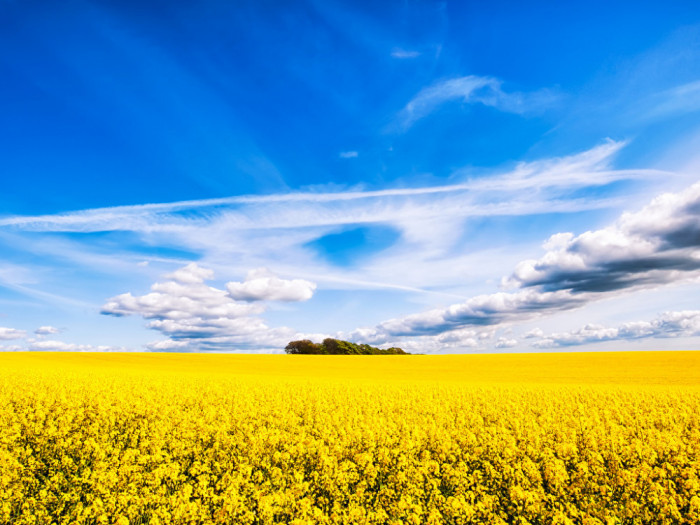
column 549, row 180
column 429, row 221
column 472, row 89
column 404, row 54
column 681, row 99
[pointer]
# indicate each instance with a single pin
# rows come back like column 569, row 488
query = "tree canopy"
column 337, row 347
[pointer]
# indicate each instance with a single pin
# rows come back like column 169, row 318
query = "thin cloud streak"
column 472, row 89
column 403, row 54
column 477, row 197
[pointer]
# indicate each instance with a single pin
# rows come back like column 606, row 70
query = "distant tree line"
column 337, row 347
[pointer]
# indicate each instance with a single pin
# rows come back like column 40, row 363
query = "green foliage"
column 304, row 346
column 337, row 347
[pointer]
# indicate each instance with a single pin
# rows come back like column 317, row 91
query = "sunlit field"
column 525, row 438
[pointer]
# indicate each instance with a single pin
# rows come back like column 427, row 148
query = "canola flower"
column 185, row 439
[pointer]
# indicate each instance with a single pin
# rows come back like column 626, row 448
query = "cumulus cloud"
column 46, row 330
column 191, row 274
column 263, row 285
column 183, row 297
column 534, row 333
column 166, row 345
column 196, row 316
column 348, row 154
column 471, row 89
column 657, row 245
column 7, row 334
column 669, row 324
column 504, row 342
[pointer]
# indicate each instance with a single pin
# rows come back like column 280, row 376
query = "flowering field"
column 162, row 438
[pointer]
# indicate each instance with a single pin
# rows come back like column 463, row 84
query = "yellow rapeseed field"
column 596, row 438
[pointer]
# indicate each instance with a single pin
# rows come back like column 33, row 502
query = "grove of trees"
column 337, row 347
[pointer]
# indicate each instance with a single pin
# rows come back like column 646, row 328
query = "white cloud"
column 480, row 311
column 183, row 297
column 263, row 285
column 534, row 333
column 60, row 346
column 669, row 324
column 657, row 245
column 451, row 341
column 348, row 154
column 470, row 90
column 504, row 342
column 46, row 330
column 166, row 345
column 196, row 316
column 403, row 54
column 191, row 274
column 7, row 334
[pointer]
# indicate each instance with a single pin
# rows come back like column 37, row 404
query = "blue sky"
column 445, row 177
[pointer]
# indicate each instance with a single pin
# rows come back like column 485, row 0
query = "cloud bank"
column 669, row 324
column 660, row 244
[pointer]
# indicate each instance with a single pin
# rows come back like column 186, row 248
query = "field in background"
column 519, row 438
column 616, row 368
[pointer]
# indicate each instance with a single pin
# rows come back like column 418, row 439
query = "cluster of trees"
column 337, row 347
